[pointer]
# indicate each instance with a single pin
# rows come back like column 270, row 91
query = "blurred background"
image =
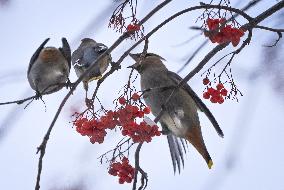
column 249, row 157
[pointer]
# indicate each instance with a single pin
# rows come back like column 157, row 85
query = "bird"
column 49, row 68
column 84, row 57
column 179, row 119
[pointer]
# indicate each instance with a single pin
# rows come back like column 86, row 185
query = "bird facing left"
column 49, row 68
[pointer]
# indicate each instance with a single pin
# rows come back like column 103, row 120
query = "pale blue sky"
column 71, row 159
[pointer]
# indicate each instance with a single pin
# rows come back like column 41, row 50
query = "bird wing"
column 176, row 150
column 176, row 79
column 100, row 48
column 36, row 54
column 66, row 51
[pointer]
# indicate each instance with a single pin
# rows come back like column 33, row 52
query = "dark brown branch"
column 278, row 31
column 138, row 169
column 270, row 29
column 35, row 96
column 18, row 101
column 193, row 55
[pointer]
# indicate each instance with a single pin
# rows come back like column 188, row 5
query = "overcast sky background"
column 249, row 157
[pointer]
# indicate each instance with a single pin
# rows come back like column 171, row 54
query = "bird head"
column 49, row 54
column 88, row 41
column 151, row 61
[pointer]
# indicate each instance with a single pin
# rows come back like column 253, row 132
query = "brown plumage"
column 49, row 68
column 180, row 118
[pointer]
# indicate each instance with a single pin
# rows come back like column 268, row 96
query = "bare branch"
column 193, row 55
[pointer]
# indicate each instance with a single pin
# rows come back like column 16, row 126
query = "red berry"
column 211, row 91
column 206, row 81
column 220, row 86
column 133, row 27
column 112, row 171
column 128, row 179
column 122, row 100
column 140, row 114
column 135, row 96
column 124, row 132
column 125, row 160
column 224, row 92
column 220, row 100
column 121, row 180
column 206, row 95
column 213, row 23
column 147, row 110
column 235, row 41
column 213, row 99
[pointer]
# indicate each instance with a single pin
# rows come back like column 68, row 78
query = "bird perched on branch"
column 180, row 119
column 49, row 68
column 84, row 57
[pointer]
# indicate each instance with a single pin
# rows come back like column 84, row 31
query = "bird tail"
column 177, row 148
column 194, row 136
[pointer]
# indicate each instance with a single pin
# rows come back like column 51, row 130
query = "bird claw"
column 38, row 95
column 89, row 103
column 69, row 84
column 115, row 66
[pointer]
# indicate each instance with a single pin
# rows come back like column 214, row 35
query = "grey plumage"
column 49, row 68
column 180, row 116
column 85, row 56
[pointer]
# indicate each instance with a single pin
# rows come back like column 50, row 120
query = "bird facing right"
column 84, row 57
column 180, row 115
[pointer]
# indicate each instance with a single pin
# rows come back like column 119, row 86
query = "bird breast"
column 180, row 111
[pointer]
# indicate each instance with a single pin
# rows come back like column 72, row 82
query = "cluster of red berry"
column 123, row 170
column 215, row 95
column 95, row 129
column 125, row 117
column 133, row 27
column 222, row 34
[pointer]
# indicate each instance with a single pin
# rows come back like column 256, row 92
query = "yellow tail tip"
column 95, row 78
column 210, row 164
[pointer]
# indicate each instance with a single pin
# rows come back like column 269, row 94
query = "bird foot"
column 115, row 66
column 69, row 84
column 38, row 95
column 89, row 103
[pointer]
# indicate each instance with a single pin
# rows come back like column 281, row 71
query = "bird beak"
column 135, row 57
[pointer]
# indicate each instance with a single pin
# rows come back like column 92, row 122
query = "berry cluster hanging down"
column 220, row 32
column 123, row 170
column 125, row 116
column 215, row 95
